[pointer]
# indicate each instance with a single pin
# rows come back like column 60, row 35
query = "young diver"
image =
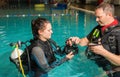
column 42, row 55
column 103, row 41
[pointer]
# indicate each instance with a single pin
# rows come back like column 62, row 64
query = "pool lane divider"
column 29, row 15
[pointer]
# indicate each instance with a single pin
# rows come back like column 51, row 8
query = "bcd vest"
column 110, row 42
column 46, row 47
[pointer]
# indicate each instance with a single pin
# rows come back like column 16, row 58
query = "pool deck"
column 90, row 8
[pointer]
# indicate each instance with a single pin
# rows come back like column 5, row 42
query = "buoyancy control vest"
column 47, row 49
column 110, row 41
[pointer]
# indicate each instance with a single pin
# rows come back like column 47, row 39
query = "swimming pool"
column 16, row 26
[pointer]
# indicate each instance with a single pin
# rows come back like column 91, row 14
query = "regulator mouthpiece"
column 19, row 43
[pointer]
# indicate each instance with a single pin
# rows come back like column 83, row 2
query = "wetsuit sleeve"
column 90, row 35
column 39, row 57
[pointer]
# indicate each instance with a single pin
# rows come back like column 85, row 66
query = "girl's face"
column 46, row 33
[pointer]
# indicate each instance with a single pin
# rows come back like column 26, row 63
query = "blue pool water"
column 17, row 26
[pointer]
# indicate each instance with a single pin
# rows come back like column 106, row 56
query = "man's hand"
column 73, row 40
column 97, row 49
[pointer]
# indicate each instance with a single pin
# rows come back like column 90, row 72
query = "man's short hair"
column 107, row 7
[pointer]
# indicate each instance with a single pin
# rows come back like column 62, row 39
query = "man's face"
column 101, row 17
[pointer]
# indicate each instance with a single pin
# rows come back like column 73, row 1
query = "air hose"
column 20, row 62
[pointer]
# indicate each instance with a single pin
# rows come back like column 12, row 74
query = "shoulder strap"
column 56, row 46
column 111, row 37
column 54, row 43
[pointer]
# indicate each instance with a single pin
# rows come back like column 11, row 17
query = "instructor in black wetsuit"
column 103, row 41
column 42, row 55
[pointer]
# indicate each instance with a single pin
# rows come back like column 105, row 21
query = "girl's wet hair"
column 38, row 24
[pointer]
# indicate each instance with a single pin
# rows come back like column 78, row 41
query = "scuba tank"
column 16, row 52
column 14, row 55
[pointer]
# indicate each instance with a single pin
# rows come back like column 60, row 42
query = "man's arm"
column 83, row 41
column 113, row 58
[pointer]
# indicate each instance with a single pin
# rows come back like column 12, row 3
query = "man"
column 104, row 40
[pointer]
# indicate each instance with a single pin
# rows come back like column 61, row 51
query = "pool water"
column 15, row 26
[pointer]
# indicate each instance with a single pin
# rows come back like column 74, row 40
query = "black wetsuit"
column 43, row 58
column 112, row 33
